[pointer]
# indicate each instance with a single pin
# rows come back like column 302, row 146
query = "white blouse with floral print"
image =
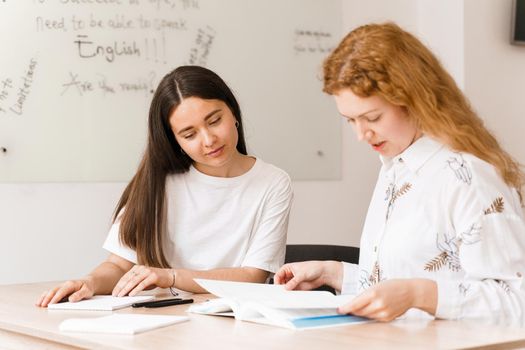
column 449, row 217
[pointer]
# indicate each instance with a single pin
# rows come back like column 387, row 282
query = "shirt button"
column 375, row 249
column 518, row 274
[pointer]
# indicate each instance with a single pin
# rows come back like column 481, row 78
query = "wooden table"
column 24, row 326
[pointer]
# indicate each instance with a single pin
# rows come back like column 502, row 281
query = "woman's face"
column 206, row 132
column 386, row 127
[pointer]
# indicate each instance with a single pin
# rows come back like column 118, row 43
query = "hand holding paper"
column 308, row 275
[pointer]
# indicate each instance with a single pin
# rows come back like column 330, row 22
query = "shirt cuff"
column 349, row 284
column 448, row 306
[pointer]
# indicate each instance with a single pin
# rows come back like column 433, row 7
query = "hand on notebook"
column 310, row 275
column 74, row 290
column 115, row 275
column 141, row 278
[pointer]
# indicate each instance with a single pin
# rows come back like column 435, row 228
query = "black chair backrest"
column 305, row 252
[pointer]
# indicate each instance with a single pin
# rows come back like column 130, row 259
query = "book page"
column 272, row 295
column 217, row 307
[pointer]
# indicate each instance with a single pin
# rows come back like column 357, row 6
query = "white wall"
column 495, row 72
column 55, row 231
column 440, row 25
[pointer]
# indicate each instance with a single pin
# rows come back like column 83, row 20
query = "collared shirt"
column 446, row 216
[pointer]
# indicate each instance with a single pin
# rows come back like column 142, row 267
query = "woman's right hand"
column 309, row 275
column 74, row 290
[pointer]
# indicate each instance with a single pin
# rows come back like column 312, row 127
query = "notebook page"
column 101, row 303
column 120, row 323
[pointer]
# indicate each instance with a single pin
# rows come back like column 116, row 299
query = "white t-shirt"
column 446, row 216
column 216, row 222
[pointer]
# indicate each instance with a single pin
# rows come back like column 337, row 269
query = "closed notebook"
column 101, row 303
column 119, row 323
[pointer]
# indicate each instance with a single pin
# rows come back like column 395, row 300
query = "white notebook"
column 101, row 303
column 119, row 323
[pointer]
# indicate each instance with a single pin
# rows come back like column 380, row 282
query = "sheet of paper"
column 120, row 323
column 219, row 307
column 101, row 303
column 272, row 295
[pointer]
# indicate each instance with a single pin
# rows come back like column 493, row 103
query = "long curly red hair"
column 385, row 60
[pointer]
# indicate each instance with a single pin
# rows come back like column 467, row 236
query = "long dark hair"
column 141, row 209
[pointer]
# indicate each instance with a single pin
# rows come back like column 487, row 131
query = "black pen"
column 144, row 303
column 168, row 302
column 164, row 302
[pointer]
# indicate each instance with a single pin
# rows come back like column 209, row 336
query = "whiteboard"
column 77, row 77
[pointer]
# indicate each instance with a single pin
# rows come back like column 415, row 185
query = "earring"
column 182, row 152
column 237, row 124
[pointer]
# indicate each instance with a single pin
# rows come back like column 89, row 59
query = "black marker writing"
column 81, row 86
column 312, row 41
column 89, row 49
column 24, row 89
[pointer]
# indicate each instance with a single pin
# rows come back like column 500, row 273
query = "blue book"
column 327, row 321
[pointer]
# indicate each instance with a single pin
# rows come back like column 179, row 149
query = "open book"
column 273, row 305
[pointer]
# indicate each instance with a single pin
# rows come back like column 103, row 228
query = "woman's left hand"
column 140, row 278
column 391, row 298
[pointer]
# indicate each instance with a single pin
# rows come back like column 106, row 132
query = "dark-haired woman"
column 198, row 206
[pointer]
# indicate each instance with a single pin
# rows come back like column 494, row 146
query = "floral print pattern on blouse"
column 446, row 216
